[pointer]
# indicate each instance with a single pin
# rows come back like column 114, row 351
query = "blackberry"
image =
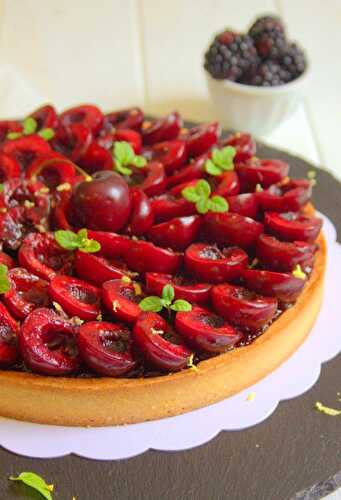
column 293, row 61
column 231, row 56
column 269, row 74
column 269, row 36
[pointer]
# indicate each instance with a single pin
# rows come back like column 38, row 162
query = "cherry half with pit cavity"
column 97, row 269
column 284, row 286
column 87, row 115
column 264, row 172
column 131, row 118
column 232, row 229
column 292, row 226
column 164, row 129
column 9, row 331
column 244, row 145
column 184, row 288
column 121, row 299
column 200, row 139
column 176, row 233
column 143, row 256
column 172, row 154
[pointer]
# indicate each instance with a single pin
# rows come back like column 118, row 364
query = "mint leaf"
column 203, row 205
column 67, row 239
column 139, row 161
column 168, row 294
column 203, row 188
column 124, row 153
column 122, row 170
column 29, row 125
column 4, row 281
column 47, row 133
column 218, row 204
column 13, row 135
column 2, row 187
column 152, row 303
column 223, row 158
column 90, row 246
column 82, row 234
column 211, row 168
column 36, row 482
column 190, row 194
column 181, row 305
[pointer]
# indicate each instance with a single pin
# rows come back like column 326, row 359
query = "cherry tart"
column 146, row 269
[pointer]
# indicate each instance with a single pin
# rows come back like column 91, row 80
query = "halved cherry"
column 47, row 343
column 226, row 184
column 208, row 263
column 143, row 256
column 7, row 126
column 9, row 168
column 52, row 169
column 9, row 331
column 194, row 170
column 176, row 233
column 166, row 207
column 46, row 117
column 243, row 307
column 150, row 335
column 142, row 214
column 26, row 149
column 106, row 348
column 184, row 288
column 244, row 145
column 88, row 115
column 284, row 286
column 41, row 255
column 131, row 118
column 264, row 172
column 289, row 197
column 112, row 245
column 61, row 211
column 131, row 136
column 285, row 256
column 7, row 260
column 164, row 129
column 292, row 226
column 95, row 158
column 12, row 230
column 232, row 229
column 27, row 292
column 151, row 179
column 96, row 269
column 245, row 204
column 200, row 139
column 72, row 141
column 206, row 331
column 76, row 297
column 122, row 300
column 172, row 154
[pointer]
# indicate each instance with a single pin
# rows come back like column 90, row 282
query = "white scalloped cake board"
column 290, row 380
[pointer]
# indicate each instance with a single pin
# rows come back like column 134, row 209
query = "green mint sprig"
column 221, row 161
column 5, row 284
column 200, row 195
column 156, row 304
column 30, row 126
column 124, row 156
column 73, row 241
column 36, row 482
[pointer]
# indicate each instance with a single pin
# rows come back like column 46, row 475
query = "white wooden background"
column 118, row 53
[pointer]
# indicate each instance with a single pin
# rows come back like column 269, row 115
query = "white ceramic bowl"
column 257, row 110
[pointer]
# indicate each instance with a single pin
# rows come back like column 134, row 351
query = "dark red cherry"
column 172, row 154
column 143, row 256
column 47, row 343
column 52, row 169
column 209, row 264
column 62, row 210
column 9, row 168
column 7, row 260
column 96, row 269
column 106, row 348
column 164, row 129
column 88, row 115
column 112, row 245
column 7, row 126
column 121, row 300
column 151, row 179
column 226, row 184
column 104, row 203
column 285, row 256
column 292, row 226
column 131, row 118
column 95, row 159
column 205, row 331
column 176, row 233
column 9, row 331
column 166, row 207
column 200, row 139
column 184, row 288
column 131, row 136
column 190, row 172
column 41, row 255
column 232, row 229
column 244, row 204
column 244, row 145
column 76, row 297
column 142, row 214
column 289, row 197
column 284, row 286
column 149, row 334
column 27, row 292
column 72, row 141
column 242, row 307
column 26, row 149
column 46, row 117
column 264, row 172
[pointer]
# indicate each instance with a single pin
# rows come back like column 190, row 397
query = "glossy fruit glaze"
column 67, row 310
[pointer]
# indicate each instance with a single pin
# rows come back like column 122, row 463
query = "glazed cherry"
column 96, row 269
column 143, row 256
column 142, row 214
column 46, row 117
column 106, row 348
column 7, row 260
column 9, row 168
column 284, row 286
column 190, row 172
column 184, row 288
column 200, row 139
column 264, row 172
column 289, row 197
column 47, row 343
column 131, row 136
column 149, row 334
column 26, row 149
column 244, row 145
column 242, row 307
column 121, row 300
column 104, row 203
column 164, row 129
column 112, row 245
column 62, row 211
column 131, row 118
column 27, row 292
column 209, row 264
column 176, row 233
column 245, row 204
column 72, row 141
column 9, row 330
column 292, row 226
column 232, row 229
column 95, row 159
column 41, row 255
column 285, row 256
column 167, row 206
column 151, row 179
column 76, row 297
column 226, row 184
column 87, row 115
column 205, row 331
column 172, row 154
column 52, row 169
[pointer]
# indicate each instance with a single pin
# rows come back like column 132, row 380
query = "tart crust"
column 106, row 401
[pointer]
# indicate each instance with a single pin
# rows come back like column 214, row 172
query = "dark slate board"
column 282, row 458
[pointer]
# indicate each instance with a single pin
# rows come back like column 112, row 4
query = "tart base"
column 104, row 402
